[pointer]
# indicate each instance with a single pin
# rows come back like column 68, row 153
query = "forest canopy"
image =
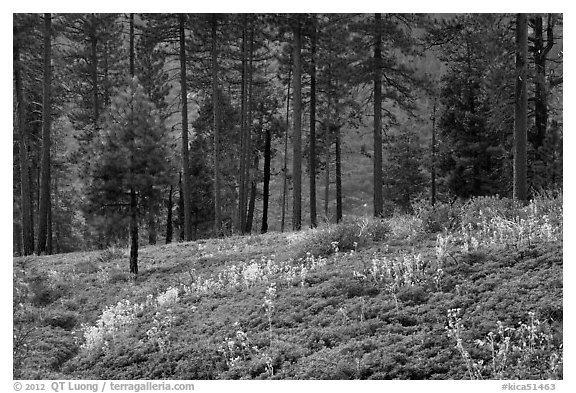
column 145, row 128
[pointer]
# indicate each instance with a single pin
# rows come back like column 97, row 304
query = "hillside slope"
column 363, row 300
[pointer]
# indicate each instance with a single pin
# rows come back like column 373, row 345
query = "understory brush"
column 346, row 236
column 365, row 299
column 496, row 219
column 527, row 351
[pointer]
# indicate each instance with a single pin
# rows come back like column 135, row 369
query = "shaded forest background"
column 168, row 127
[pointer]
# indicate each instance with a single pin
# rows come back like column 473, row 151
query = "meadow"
column 468, row 290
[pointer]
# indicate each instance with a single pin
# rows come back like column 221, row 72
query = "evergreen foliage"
column 458, row 69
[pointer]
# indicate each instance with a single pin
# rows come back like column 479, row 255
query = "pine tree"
column 45, row 194
column 520, row 109
column 216, row 126
column 185, row 154
column 23, row 146
column 297, row 127
column 474, row 110
column 378, row 202
column 312, row 153
column 131, row 157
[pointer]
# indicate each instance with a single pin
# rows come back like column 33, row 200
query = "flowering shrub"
column 238, row 348
column 252, row 273
column 240, row 354
column 440, row 217
column 503, row 223
column 346, row 236
column 404, row 226
column 525, row 352
column 405, row 270
column 167, row 298
column 249, row 274
column 159, row 333
column 114, row 319
column 269, row 305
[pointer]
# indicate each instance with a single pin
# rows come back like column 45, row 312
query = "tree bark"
column 133, row 231
column 338, row 176
column 328, row 143
column 297, row 136
column 266, row 187
column 248, row 141
column 520, row 110
column 133, row 198
column 185, row 154
column 152, row 232
column 132, row 73
column 216, row 119
column 312, row 156
column 169, row 227
column 252, row 202
column 181, row 208
column 49, row 238
column 285, row 167
column 378, row 201
column 55, row 212
column 44, row 203
column 25, row 196
column 243, row 126
column 433, row 169
column 94, row 71
column 540, row 89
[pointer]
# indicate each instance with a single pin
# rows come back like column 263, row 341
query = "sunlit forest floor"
column 451, row 292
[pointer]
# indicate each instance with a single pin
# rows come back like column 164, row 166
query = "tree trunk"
column 285, row 167
column 378, row 202
column 248, row 141
column 266, row 187
column 132, row 45
column 312, row 156
column 169, row 227
column 133, row 231
column 186, row 191
column 49, row 239
column 252, row 203
column 133, row 198
column 327, row 183
column 433, row 169
column 25, row 196
column 328, row 143
column 297, row 138
column 520, row 110
column 106, row 83
column 44, row 204
column 94, row 71
column 152, row 231
column 540, row 88
column 243, row 126
column 216, row 113
column 17, row 243
column 181, row 208
column 55, row 212
column 338, row 176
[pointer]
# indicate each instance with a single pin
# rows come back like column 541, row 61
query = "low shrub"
column 44, row 291
column 346, row 236
column 404, row 226
column 85, row 267
column 110, row 254
column 116, row 276
column 62, row 319
column 525, row 352
column 438, row 218
column 113, row 321
column 488, row 207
